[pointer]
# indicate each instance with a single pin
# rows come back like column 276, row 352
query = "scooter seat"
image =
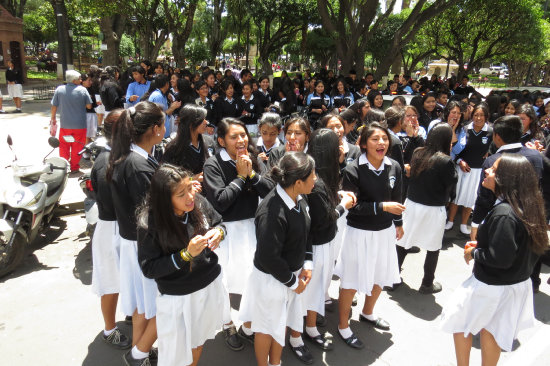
column 56, row 178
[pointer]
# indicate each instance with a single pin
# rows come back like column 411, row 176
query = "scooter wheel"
column 11, row 257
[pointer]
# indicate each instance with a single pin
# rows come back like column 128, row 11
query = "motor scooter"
column 29, row 194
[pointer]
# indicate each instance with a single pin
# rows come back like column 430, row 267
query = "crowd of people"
column 268, row 189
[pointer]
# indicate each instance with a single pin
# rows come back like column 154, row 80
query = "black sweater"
column 14, row 76
column 372, row 190
column 263, row 99
column 281, row 236
column 193, row 158
column 276, row 154
column 253, row 107
column 502, row 255
column 131, row 181
column 436, row 185
column 234, row 199
column 173, row 275
column 350, row 156
column 223, row 108
column 477, row 146
column 102, row 188
column 323, row 215
column 112, row 96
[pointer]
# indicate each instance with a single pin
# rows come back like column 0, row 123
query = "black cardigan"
column 102, row 188
column 173, row 275
column 434, row 186
column 323, row 215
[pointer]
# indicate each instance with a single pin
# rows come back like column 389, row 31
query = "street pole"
column 62, row 43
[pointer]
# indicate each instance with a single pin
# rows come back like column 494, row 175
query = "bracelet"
column 222, row 233
column 253, row 174
column 183, row 254
column 241, row 178
column 189, row 254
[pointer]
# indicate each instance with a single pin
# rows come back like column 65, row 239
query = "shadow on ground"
column 100, row 353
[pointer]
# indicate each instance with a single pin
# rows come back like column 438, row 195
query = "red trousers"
column 69, row 150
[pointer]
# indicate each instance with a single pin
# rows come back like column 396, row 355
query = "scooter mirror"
column 69, row 139
column 10, row 141
column 53, row 142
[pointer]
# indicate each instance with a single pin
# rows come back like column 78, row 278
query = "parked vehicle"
column 29, row 194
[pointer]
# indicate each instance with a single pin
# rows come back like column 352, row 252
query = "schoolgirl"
column 376, row 100
column 412, row 135
column 512, row 107
column 368, row 258
column 91, row 115
column 251, row 109
column 473, row 141
column 431, row 184
column 192, row 146
column 270, row 128
column 129, row 171
column 318, row 104
column 326, row 204
column 106, row 245
column 178, row 233
column 297, row 132
column 263, row 94
column 112, row 96
column 347, row 152
column 157, row 94
column 210, row 80
column 233, row 182
column 226, row 105
column 497, row 299
column 282, row 261
column 208, row 104
column 341, row 97
column 427, row 111
column 361, row 107
column 532, row 136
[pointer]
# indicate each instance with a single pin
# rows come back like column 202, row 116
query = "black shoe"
column 130, row 361
column 321, row 321
column 17, row 111
column 352, row 341
column 243, row 335
column 154, row 356
column 432, row 289
column 322, row 341
column 117, row 340
column 232, row 339
column 354, row 301
column 330, row 305
column 413, row 250
column 378, row 323
column 303, row 354
column 393, row 287
column 128, row 320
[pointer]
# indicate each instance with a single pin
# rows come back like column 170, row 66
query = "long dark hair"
column 172, row 233
column 110, row 121
column 517, row 183
column 177, row 151
column 437, row 148
column 130, row 128
column 323, row 148
column 223, row 129
column 293, row 166
column 529, row 111
column 158, row 83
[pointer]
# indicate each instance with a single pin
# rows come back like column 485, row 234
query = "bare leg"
column 295, row 334
column 311, row 319
column 196, row 355
column 139, row 323
column 149, row 336
column 247, row 324
column 100, row 119
column 17, row 102
column 262, row 348
column 463, row 346
column 344, row 307
column 466, row 215
column 108, row 309
column 275, row 353
column 452, row 212
column 490, row 350
column 1, row 100
column 370, row 301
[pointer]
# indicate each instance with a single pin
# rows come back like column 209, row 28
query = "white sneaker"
column 449, row 225
column 85, row 155
column 465, row 230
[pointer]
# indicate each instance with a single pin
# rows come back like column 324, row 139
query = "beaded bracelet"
column 222, row 233
column 183, row 254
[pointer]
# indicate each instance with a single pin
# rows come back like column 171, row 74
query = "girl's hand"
column 464, row 166
column 198, row 177
column 348, row 199
column 301, row 286
column 213, row 237
column 242, row 166
column 468, row 254
column 263, row 156
column 408, row 170
column 248, row 162
column 197, row 245
column 399, row 232
column 197, row 186
column 395, row 208
column 305, row 275
column 342, row 153
column 210, row 130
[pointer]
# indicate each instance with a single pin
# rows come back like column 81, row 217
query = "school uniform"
column 106, row 240
column 316, row 101
column 254, row 108
column 262, row 149
column 91, row 116
column 283, row 250
column 498, row 296
column 342, row 100
column 236, row 200
column 192, row 304
column 264, row 98
column 193, row 157
column 208, row 104
column 276, row 154
column 130, row 183
column 322, row 235
column 476, row 145
column 368, row 256
column 112, row 96
column 396, row 152
column 224, row 107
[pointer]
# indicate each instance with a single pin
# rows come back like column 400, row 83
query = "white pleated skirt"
column 271, row 306
column 136, row 291
column 323, row 265
column 188, row 321
column 341, row 224
column 106, row 258
column 236, row 254
column 501, row 310
column 423, row 226
column 91, row 124
column 367, row 258
column 466, row 187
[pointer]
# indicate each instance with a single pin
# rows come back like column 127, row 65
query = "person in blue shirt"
column 157, row 94
column 137, row 88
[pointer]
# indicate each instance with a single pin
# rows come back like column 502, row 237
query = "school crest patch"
column 392, row 181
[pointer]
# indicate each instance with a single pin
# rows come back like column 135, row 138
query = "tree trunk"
column 178, row 50
column 266, row 65
column 217, row 35
column 181, row 35
column 112, row 28
column 517, row 71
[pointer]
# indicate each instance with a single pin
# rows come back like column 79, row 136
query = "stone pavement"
column 49, row 316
